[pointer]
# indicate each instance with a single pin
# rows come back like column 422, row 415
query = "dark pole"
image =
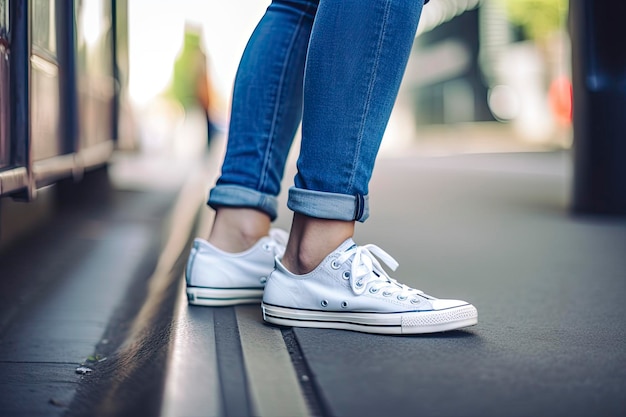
column 21, row 146
column 598, row 34
column 66, row 32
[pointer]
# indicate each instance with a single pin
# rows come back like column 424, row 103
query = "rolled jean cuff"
column 324, row 205
column 238, row 196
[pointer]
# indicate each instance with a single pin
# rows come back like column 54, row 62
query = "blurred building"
column 473, row 62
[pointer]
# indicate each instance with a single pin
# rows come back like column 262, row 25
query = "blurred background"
column 499, row 70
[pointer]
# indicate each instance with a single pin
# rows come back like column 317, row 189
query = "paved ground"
column 493, row 229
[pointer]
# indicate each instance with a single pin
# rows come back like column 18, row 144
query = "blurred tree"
column 537, row 18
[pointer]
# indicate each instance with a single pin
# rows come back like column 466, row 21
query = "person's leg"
column 357, row 55
column 231, row 267
column 266, row 112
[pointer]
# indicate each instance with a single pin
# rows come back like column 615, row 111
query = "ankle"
column 303, row 261
column 311, row 240
column 238, row 229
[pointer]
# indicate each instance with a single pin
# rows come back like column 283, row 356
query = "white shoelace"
column 366, row 272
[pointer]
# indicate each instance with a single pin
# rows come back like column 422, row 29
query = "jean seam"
column 281, row 82
column 370, row 89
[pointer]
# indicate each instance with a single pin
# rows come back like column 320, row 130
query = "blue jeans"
column 335, row 65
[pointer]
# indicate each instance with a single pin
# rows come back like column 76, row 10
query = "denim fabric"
column 335, row 65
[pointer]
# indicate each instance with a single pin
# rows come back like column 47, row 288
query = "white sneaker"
column 350, row 290
column 218, row 278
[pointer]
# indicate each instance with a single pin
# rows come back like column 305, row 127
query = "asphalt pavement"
column 492, row 229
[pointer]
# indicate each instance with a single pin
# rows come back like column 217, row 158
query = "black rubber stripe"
column 230, row 298
column 232, row 288
column 335, row 321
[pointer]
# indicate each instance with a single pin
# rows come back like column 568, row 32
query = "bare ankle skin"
column 311, row 240
column 238, row 229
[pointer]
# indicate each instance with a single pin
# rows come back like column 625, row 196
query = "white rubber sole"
column 217, row 297
column 413, row 322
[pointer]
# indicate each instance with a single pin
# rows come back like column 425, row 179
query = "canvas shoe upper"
column 350, row 290
column 218, row 278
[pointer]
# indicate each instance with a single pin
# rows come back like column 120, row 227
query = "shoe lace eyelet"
column 359, row 284
column 374, row 290
column 266, row 247
column 263, row 280
column 346, row 275
column 386, row 294
column 402, row 297
column 344, row 304
column 335, row 265
column 415, row 301
column 324, row 303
